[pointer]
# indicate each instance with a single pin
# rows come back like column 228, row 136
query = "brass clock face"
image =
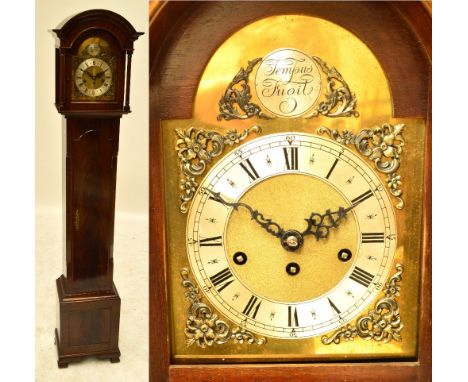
column 94, row 71
column 291, row 235
column 93, row 77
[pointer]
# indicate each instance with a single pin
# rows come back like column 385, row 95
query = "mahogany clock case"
column 183, row 37
column 89, row 304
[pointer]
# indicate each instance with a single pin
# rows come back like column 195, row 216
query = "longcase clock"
column 93, row 65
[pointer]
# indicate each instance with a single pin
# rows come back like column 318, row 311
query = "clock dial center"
column 292, row 240
column 268, row 272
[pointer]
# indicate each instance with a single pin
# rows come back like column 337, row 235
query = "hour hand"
column 267, row 224
column 320, row 225
column 100, row 74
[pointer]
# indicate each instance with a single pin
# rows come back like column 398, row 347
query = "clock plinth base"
column 88, row 325
column 64, row 360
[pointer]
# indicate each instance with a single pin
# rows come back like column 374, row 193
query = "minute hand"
column 267, row 224
column 319, row 225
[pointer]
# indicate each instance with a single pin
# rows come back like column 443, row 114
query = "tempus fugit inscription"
column 288, row 82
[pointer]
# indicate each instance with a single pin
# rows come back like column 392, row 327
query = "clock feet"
column 64, row 361
column 62, row 364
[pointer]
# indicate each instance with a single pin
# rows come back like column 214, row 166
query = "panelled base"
column 88, row 325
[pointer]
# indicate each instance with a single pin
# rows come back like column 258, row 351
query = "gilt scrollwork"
column 382, row 324
column 381, row 144
column 196, row 148
column 339, row 100
column 237, row 96
column 203, row 326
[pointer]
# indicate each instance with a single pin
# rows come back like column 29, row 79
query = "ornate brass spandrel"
column 337, row 100
column 381, row 324
column 238, row 93
column 196, row 148
column 203, row 326
column 381, row 144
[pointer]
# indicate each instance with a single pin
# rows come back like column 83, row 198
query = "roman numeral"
column 291, row 157
column 362, row 197
column 361, row 276
column 222, row 279
column 251, row 309
column 292, row 316
column 373, row 237
column 251, row 172
column 332, row 168
column 334, row 307
column 214, row 241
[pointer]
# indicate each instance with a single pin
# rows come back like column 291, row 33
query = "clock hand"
column 100, row 74
column 267, row 224
column 90, row 75
column 319, row 225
